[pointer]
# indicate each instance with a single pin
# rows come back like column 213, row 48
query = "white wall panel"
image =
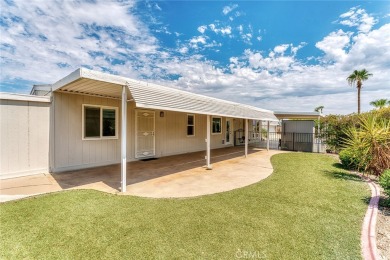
column 24, row 137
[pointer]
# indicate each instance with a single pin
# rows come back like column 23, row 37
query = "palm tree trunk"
column 358, row 100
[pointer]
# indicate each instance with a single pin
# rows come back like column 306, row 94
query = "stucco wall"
column 71, row 152
column 24, row 137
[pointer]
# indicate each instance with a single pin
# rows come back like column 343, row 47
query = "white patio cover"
column 153, row 96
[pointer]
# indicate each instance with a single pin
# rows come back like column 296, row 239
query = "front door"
column 228, row 133
column 144, row 137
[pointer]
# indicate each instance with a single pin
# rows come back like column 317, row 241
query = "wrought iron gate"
column 301, row 142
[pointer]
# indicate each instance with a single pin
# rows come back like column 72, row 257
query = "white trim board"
column 23, row 97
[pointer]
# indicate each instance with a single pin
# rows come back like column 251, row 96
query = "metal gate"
column 301, row 142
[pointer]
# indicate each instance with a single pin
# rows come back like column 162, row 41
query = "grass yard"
column 307, row 209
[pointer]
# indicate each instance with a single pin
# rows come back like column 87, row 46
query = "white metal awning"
column 153, row 96
column 298, row 115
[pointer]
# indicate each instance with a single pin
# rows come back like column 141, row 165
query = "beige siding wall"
column 71, row 152
column 24, row 137
column 171, row 134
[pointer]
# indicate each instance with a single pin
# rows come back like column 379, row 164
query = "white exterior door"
column 228, row 132
column 144, row 137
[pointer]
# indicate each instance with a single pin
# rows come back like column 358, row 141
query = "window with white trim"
column 100, row 122
column 190, row 125
column 216, row 125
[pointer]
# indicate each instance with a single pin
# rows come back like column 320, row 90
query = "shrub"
column 333, row 127
column 348, row 159
column 384, row 181
column 370, row 144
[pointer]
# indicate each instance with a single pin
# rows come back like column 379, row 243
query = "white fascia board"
column 22, row 97
column 298, row 113
column 75, row 75
column 138, row 105
column 90, row 74
column 101, row 76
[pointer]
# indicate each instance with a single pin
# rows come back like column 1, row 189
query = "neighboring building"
column 24, row 134
column 298, row 132
column 41, row 90
column 94, row 119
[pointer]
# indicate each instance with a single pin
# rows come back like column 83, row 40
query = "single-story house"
column 90, row 118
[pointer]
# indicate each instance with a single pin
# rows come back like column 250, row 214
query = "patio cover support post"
column 267, row 135
column 208, row 142
column 123, row 139
column 246, row 137
column 260, row 132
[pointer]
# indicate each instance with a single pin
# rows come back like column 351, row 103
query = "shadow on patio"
column 172, row 176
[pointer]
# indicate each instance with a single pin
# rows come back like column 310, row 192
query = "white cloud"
column 278, row 82
column 183, row 50
column 158, row 7
column 50, row 33
column 226, row 30
column 281, row 48
column 357, row 17
column 196, row 41
column 334, row 45
column 295, row 49
column 220, row 30
column 227, row 9
column 65, row 38
column 246, row 33
column 202, row 28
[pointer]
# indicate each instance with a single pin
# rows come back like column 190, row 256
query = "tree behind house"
column 357, row 77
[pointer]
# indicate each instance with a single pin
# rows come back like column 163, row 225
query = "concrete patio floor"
column 173, row 176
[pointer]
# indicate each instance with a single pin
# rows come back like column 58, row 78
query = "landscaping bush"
column 384, row 181
column 333, row 127
column 369, row 144
column 348, row 159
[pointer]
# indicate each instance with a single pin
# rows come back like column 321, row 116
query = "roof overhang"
column 46, row 87
column 88, row 82
column 298, row 115
column 152, row 96
column 22, row 97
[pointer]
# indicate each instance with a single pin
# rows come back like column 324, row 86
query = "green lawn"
column 307, row 209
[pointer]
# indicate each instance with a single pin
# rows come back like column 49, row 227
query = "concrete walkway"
column 172, row 176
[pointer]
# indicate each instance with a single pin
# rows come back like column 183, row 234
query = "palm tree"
column 379, row 103
column 358, row 76
column 319, row 109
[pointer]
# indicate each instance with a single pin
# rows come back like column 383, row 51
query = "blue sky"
column 279, row 55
